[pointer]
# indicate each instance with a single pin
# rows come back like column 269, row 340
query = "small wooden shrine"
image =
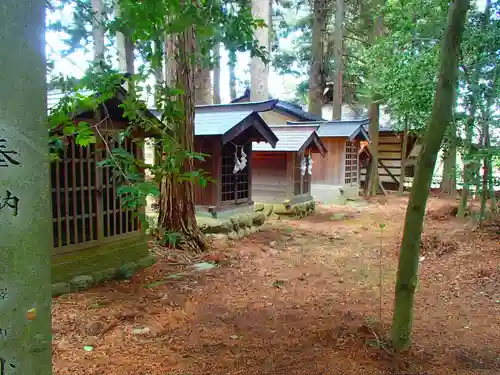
column 337, row 174
column 91, row 229
column 284, row 173
column 226, row 133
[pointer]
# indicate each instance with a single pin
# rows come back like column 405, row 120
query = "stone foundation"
column 275, row 210
column 331, row 194
column 81, row 269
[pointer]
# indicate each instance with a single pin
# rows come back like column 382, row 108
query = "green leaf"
column 69, row 130
column 84, row 140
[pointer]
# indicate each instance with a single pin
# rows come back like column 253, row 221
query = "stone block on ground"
column 232, row 236
column 210, row 225
column 58, row 289
column 258, row 207
column 244, row 220
column 268, row 209
column 259, row 218
column 126, row 271
column 281, row 209
column 104, row 275
column 235, row 221
column 147, row 261
column 241, row 233
column 81, row 282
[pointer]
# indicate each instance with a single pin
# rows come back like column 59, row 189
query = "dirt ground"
column 302, row 297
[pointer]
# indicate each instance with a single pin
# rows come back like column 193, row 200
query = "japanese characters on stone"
column 8, row 158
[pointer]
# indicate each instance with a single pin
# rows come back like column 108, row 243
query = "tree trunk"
column 232, row 74
column 202, row 84
column 491, row 187
column 449, row 178
column 488, row 118
column 486, row 172
column 374, row 111
column 177, row 211
column 259, row 71
column 441, row 116
column 317, row 65
column 216, row 83
column 98, row 30
column 158, row 69
column 404, row 153
column 125, row 50
column 25, row 210
column 373, row 130
column 468, row 166
column 170, row 57
column 337, row 56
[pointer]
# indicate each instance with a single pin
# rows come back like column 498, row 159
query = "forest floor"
column 301, row 297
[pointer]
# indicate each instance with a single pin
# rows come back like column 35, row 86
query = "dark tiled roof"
column 287, row 107
column 347, row 129
column 291, row 138
column 221, row 122
column 263, row 106
column 297, row 111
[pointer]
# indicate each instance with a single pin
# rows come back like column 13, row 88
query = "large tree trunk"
column 202, row 84
column 374, row 111
column 98, row 30
column 337, row 56
column 232, row 74
column 177, row 208
column 216, row 83
column 449, row 178
column 468, row 172
column 486, row 172
column 373, row 131
column 125, row 51
column 317, row 65
column 471, row 169
column 25, row 210
column 259, row 71
column 158, row 68
column 125, row 48
column 441, row 116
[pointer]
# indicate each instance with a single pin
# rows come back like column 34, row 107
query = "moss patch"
column 299, row 210
column 234, row 227
column 98, row 258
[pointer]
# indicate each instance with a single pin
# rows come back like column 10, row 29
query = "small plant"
column 152, row 225
column 381, row 272
column 278, row 283
column 380, row 341
column 171, row 239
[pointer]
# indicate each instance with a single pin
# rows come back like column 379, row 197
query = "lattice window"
column 79, row 197
column 235, row 186
column 116, row 219
column 351, row 162
column 74, row 196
